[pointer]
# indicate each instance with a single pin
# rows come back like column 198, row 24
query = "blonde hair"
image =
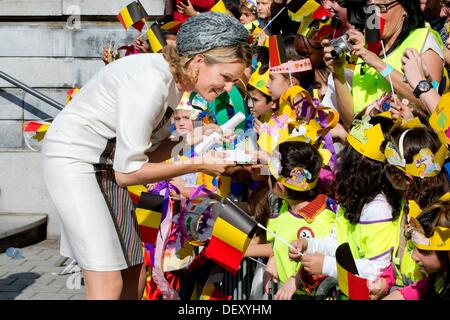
column 179, row 63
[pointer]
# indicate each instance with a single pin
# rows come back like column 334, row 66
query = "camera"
column 341, row 46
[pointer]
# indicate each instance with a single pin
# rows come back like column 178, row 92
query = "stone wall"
column 52, row 46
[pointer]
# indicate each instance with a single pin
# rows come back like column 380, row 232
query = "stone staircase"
column 21, row 230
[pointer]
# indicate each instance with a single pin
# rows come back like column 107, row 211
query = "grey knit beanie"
column 208, row 30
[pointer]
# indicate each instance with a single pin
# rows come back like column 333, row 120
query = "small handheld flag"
column 231, row 235
column 349, row 282
column 133, row 15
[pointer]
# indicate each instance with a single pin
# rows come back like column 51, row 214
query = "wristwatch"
column 422, row 87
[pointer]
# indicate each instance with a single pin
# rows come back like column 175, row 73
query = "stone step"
column 21, row 230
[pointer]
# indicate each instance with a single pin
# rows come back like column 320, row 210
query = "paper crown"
column 367, row 138
column 425, row 163
column 317, row 24
column 316, row 124
column 185, row 104
column 440, row 118
column 250, row 5
column 300, row 179
column 439, row 241
column 293, row 66
column 259, row 81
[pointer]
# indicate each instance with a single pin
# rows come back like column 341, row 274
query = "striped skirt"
column 97, row 220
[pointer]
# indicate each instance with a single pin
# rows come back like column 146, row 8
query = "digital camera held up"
column 341, row 46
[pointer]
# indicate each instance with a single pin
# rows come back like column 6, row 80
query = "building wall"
column 52, row 46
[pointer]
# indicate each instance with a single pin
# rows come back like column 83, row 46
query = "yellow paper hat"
column 300, row 179
column 425, row 163
column 259, row 81
column 440, row 118
column 185, row 104
column 367, row 138
column 439, row 241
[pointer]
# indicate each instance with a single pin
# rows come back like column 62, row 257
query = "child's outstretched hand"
column 300, row 246
column 400, row 109
column 187, row 8
column 287, row 290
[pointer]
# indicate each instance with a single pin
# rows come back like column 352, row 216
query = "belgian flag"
column 135, row 193
column 231, row 235
column 156, row 38
column 349, row 282
column 133, row 15
column 277, row 51
column 149, row 216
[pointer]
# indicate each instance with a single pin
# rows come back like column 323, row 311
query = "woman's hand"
column 357, row 39
column 313, row 263
column 413, row 67
column 200, row 133
column 336, row 66
column 187, row 8
column 213, row 163
column 287, row 290
column 270, row 274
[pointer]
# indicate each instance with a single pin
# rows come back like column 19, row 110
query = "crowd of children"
column 352, row 147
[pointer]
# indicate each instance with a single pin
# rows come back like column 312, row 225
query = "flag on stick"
column 349, row 282
column 231, row 235
column 133, row 15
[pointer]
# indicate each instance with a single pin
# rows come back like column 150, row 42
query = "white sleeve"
column 140, row 104
column 432, row 43
column 329, row 100
column 370, row 269
column 326, row 245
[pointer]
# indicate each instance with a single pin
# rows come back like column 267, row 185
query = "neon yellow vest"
column 290, row 227
column 366, row 240
column 371, row 85
column 406, row 270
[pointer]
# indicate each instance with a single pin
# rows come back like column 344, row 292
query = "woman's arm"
column 344, row 99
column 154, row 172
column 432, row 60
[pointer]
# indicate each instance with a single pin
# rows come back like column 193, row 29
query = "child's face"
column 427, row 260
column 277, row 85
column 263, row 9
column 182, row 121
column 320, row 83
column 246, row 15
column 260, row 105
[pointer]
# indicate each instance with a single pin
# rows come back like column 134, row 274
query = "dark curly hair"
column 300, row 154
column 361, row 179
column 427, row 190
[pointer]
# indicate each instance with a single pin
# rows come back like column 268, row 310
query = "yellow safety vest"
column 366, row 239
column 406, row 270
column 370, row 85
column 291, row 227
